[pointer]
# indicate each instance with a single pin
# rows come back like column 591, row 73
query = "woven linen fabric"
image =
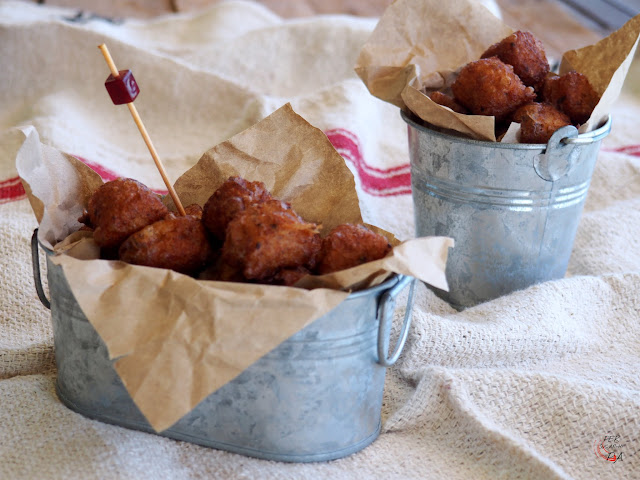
column 522, row 387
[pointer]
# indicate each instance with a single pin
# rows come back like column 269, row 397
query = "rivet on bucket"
column 512, row 209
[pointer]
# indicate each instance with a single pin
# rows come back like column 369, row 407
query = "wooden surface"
column 555, row 25
column 552, row 21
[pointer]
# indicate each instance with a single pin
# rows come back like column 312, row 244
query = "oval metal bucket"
column 512, row 209
column 316, row 397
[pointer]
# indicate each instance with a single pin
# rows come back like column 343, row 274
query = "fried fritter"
column 447, row 101
column 538, row 121
column 194, row 210
column 120, row 208
column 177, row 243
column 221, row 271
column 233, row 196
column 267, row 237
column 572, row 94
column 289, row 276
column 526, row 54
column 349, row 245
column 490, row 87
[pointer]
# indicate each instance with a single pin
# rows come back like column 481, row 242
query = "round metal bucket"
column 316, row 397
column 512, row 209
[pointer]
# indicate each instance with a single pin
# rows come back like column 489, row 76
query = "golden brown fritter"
column 233, row 196
column 221, row 271
column 490, row 87
column 177, row 243
column 194, row 210
column 350, row 245
column 526, row 54
column 572, row 94
column 447, row 101
column 267, row 237
column 289, row 276
column 120, row 208
column 538, row 121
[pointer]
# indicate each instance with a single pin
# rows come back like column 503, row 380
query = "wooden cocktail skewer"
column 143, row 131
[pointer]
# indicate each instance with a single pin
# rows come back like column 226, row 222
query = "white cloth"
column 519, row 387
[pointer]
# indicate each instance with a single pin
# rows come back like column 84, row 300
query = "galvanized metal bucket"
column 512, row 209
column 316, row 397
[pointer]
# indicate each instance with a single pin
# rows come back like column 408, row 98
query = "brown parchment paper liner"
column 606, row 64
column 174, row 339
column 419, row 46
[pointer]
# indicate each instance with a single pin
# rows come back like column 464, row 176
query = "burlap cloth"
column 520, row 387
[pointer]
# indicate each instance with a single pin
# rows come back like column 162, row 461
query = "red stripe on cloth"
column 107, row 174
column 628, row 149
column 375, row 181
column 381, row 182
column 10, row 181
column 11, row 190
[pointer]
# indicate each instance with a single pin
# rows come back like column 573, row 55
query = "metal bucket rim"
column 412, row 120
column 384, row 285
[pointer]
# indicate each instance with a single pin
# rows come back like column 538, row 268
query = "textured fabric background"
column 519, row 387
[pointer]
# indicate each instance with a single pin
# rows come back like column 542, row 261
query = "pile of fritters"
column 241, row 234
column 131, row 223
column 512, row 82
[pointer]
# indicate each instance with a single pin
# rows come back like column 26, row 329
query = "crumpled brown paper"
column 175, row 339
column 606, row 64
column 419, row 46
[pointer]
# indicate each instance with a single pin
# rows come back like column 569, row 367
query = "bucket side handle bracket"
column 387, row 308
column 37, row 277
column 560, row 156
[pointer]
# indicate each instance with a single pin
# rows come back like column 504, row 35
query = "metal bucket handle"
column 561, row 153
column 37, row 278
column 559, row 156
column 387, row 307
